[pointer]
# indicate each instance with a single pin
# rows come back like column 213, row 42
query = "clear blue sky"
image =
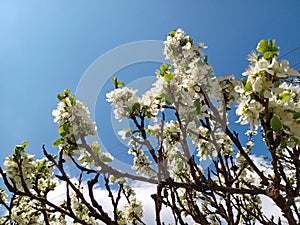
column 45, row 47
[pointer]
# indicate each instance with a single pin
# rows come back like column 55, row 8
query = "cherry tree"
column 186, row 112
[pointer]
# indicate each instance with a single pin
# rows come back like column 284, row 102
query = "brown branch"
column 79, row 194
column 105, row 217
column 237, row 143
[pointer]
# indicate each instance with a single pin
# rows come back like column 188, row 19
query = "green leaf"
column 121, row 84
column 248, row 86
column 285, row 96
column 158, row 73
column 67, row 101
column 73, row 100
column 95, row 147
column 136, row 107
column 276, row 123
column 60, row 97
column 296, row 115
column 19, row 149
column 243, row 81
column 191, row 40
column 24, row 144
column 41, row 168
column 115, row 81
column 105, row 158
column 197, row 105
column 272, row 43
column 172, row 33
column 268, row 55
column 168, row 77
column 262, row 46
column 149, row 131
column 180, row 166
column 67, row 92
column 63, row 130
column 58, row 142
column 158, row 97
column 197, row 122
column 268, row 49
column 168, row 100
column 183, row 42
column 182, row 197
column 163, row 67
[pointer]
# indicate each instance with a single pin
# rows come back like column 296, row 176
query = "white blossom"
column 133, row 210
column 122, row 99
column 77, row 116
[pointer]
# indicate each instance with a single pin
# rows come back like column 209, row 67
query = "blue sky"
column 46, row 46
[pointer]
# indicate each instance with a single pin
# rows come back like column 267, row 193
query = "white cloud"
column 271, row 209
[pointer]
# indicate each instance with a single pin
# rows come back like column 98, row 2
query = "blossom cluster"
column 141, row 162
column 191, row 69
column 75, row 124
column 25, row 211
column 133, row 209
column 30, row 176
column 182, row 87
column 285, row 102
column 123, row 100
column 127, row 104
column 210, row 143
column 228, row 83
column 36, row 175
column 267, row 89
column 81, row 211
column 73, row 116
